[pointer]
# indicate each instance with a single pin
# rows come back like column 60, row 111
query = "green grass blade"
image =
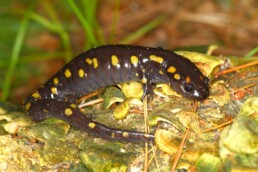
column 90, row 15
column 90, row 36
column 15, row 57
column 52, row 13
column 61, row 31
column 143, row 30
column 115, row 18
column 44, row 22
column 252, row 52
column 91, row 6
column 58, row 29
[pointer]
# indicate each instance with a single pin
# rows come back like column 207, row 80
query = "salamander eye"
column 189, row 87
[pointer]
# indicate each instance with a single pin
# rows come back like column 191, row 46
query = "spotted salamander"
column 110, row 65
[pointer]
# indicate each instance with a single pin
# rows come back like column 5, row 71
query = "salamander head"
column 189, row 81
column 194, row 90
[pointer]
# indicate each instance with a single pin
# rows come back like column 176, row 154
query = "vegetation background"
column 38, row 37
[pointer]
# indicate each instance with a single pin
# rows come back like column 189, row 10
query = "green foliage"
column 29, row 20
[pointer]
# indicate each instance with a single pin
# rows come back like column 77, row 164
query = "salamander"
column 110, row 65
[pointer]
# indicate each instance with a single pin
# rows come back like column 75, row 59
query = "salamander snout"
column 196, row 90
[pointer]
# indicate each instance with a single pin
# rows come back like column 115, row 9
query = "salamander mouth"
column 201, row 95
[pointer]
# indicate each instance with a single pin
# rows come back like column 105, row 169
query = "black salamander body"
column 109, row 65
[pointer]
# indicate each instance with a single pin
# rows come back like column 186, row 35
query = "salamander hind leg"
column 44, row 108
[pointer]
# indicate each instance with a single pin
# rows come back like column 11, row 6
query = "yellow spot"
column 114, row 60
column 89, row 61
column 156, row 58
column 68, row 112
column 95, row 62
column 36, row 95
column 113, row 135
column 73, row 105
column 27, row 106
column 201, row 78
column 45, row 111
column 53, row 90
column 171, row 69
column 134, row 60
column 187, row 79
column 144, row 80
column 92, row 125
column 160, row 72
column 56, row 80
column 81, row 73
column 137, row 74
column 68, row 73
column 177, row 76
column 125, row 134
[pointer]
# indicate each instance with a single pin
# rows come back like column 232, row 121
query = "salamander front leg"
column 144, row 78
column 147, row 89
column 44, row 108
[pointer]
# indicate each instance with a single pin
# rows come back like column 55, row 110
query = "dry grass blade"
column 180, row 150
column 95, row 93
column 217, row 127
column 237, row 68
column 145, row 112
column 90, row 103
